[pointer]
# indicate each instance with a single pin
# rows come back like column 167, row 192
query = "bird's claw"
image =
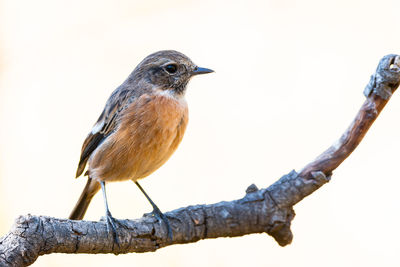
column 160, row 216
column 111, row 227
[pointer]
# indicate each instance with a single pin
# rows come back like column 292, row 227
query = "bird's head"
column 168, row 70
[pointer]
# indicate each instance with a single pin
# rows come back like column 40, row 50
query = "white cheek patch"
column 167, row 93
column 170, row 94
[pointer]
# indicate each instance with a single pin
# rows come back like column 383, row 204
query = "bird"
column 141, row 126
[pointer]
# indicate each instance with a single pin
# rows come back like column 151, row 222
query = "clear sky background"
column 289, row 79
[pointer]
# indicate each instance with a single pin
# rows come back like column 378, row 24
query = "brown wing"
column 105, row 125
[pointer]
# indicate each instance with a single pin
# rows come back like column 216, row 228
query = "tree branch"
column 267, row 210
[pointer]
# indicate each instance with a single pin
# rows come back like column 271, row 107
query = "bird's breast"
column 149, row 131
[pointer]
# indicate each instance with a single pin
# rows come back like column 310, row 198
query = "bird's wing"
column 105, row 125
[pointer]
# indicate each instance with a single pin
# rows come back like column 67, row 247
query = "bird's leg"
column 156, row 211
column 110, row 220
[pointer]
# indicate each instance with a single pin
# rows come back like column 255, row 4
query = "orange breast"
column 149, row 131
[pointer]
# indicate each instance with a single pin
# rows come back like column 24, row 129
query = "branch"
column 267, row 210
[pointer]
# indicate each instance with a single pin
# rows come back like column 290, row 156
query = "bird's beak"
column 199, row 70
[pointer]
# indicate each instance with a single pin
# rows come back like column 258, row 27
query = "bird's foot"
column 160, row 216
column 111, row 227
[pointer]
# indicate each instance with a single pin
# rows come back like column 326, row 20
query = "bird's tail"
column 91, row 188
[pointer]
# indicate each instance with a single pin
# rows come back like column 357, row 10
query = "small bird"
column 140, row 127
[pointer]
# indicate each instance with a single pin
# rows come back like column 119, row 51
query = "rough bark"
column 268, row 210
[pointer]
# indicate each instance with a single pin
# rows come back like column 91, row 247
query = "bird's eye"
column 171, row 68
